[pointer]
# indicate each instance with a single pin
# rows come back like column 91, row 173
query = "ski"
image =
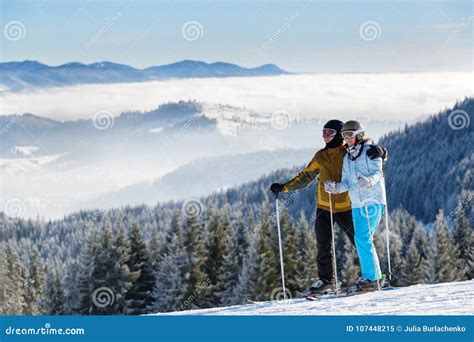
column 346, row 293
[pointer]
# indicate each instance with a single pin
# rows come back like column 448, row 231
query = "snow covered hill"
column 455, row 298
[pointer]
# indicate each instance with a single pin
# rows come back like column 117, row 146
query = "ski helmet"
column 353, row 128
column 335, row 125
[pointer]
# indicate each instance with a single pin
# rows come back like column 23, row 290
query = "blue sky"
column 300, row 36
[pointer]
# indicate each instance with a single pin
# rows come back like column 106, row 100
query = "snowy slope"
column 455, row 298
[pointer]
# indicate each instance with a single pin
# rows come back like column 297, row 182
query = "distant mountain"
column 63, row 164
column 207, row 175
column 18, row 75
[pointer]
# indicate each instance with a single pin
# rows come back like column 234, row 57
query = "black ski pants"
column 324, row 238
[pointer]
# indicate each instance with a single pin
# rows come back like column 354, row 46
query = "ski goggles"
column 329, row 132
column 351, row 134
column 348, row 134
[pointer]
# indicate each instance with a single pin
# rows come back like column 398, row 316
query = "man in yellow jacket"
column 327, row 163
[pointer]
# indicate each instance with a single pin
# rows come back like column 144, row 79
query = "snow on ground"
column 455, row 298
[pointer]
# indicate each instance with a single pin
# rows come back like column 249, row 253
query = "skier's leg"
column 323, row 239
column 344, row 220
column 368, row 258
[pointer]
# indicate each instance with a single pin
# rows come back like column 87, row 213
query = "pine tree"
column 307, row 250
column 169, row 287
column 54, row 297
column 139, row 297
column 447, row 266
column 217, row 251
column 464, row 239
column 4, row 282
column 429, row 264
column 232, row 265
column 269, row 277
column 119, row 276
column 197, row 281
column 290, row 256
column 86, row 268
column 16, row 286
column 414, row 266
column 247, row 284
column 34, row 283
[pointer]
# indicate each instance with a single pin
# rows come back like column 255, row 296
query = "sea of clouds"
column 390, row 96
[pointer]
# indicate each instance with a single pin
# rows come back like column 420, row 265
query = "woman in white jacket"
column 363, row 178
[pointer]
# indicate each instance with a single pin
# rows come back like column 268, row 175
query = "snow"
column 156, row 130
column 25, row 150
column 456, row 298
column 231, row 119
column 21, row 165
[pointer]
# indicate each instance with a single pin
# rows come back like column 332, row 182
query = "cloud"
column 391, row 96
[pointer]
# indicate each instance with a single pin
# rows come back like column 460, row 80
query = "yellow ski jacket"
column 327, row 162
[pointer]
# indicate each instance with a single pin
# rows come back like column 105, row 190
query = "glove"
column 330, row 187
column 276, row 188
column 363, row 182
column 377, row 151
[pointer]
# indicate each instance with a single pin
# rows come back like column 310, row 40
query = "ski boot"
column 320, row 287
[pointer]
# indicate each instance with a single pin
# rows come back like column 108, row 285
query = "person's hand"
column 363, row 182
column 276, row 188
column 330, row 187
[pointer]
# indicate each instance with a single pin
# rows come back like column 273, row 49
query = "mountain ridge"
column 17, row 75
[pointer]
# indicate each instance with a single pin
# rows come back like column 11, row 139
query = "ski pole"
column 388, row 244
column 281, row 250
column 372, row 241
column 334, row 263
